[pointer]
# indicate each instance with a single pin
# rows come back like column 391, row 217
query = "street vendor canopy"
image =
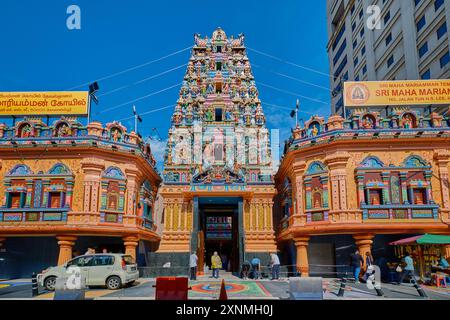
column 423, row 239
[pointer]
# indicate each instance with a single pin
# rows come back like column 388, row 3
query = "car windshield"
column 128, row 259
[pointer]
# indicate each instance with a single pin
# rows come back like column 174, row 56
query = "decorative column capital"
column 66, row 240
column 363, row 239
column 92, row 165
column 131, row 241
column 442, row 156
column 337, row 160
column 301, row 241
column 298, row 167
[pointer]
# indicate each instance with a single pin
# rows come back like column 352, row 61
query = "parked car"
column 110, row 270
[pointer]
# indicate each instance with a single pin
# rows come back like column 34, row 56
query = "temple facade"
column 67, row 187
column 361, row 182
column 218, row 176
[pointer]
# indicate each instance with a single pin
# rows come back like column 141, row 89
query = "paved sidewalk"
column 206, row 288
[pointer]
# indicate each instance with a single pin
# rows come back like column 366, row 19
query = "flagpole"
column 135, row 119
column 296, row 113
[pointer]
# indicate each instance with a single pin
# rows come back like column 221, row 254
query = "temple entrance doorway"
column 218, row 230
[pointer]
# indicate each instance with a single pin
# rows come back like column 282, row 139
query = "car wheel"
column 50, row 283
column 113, row 283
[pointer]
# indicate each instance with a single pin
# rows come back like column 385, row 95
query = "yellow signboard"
column 397, row 93
column 44, row 103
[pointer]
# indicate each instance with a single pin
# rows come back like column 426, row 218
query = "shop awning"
column 423, row 239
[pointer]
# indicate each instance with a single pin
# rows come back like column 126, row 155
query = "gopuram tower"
column 218, row 175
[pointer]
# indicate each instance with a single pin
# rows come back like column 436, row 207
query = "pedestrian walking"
column 356, row 262
column 256, row 267
column 275, row 264
column 369, row 266
column 193, row 265
column 408, row 269
column 224, row 259
column 245, row 269
column 216, row 264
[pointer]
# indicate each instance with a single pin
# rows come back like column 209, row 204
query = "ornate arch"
column 113, row 173
column 316, row 167
column 415, row 161
column 372, row 162
column 20, row 170
column 60, row 169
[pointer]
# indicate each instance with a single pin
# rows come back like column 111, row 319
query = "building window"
column 416, row 2
column 364, row 69
column 219, row 49
column 438, row 4
column 16, row 200
column 219, row 66
column 426, row 75
column 421, row 23
column 390, row 61
column 55, row 199
column 387, row 17
column 388, row 38
column 442, row 30
column 363, row 50
column 218, row 114
column 339, row 52
column 423, row 50
column 444, row 59
column 355, row 62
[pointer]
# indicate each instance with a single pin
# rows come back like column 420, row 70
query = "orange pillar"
column 302, row 255
column 65, row 248
column 130, row 244
column 364, row 243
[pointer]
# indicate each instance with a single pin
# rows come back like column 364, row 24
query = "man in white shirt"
column 275, row 263
column 193, row 265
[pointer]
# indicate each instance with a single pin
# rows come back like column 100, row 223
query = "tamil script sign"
column 397, row 93
column 44, row 103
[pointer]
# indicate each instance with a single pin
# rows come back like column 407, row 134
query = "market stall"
column 426, row 250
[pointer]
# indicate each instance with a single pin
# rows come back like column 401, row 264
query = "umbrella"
column 423, row 239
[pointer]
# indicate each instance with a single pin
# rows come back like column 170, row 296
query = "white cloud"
column 158, row 150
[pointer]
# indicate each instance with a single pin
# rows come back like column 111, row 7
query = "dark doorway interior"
column 219, row 223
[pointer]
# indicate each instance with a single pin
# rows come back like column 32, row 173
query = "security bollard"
column 341, row 288
column 419, row 289
column 34, row 285
column 380, row 292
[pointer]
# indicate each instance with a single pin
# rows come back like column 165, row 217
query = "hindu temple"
column 218, row 175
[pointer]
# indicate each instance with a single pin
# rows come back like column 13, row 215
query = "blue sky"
column 39, row 53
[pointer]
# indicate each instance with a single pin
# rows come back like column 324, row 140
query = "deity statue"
column 226, row 88
column 210, row 88
column 228, row 115
column 208, row 155
column 26, row 131
column 259, row 115
column 367, row 123
column 407, row 122
column 315, row 131
column 116, row 134
column 63, row 131
column 209, row 116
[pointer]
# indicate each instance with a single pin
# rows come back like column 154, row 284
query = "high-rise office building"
column 411, row 42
